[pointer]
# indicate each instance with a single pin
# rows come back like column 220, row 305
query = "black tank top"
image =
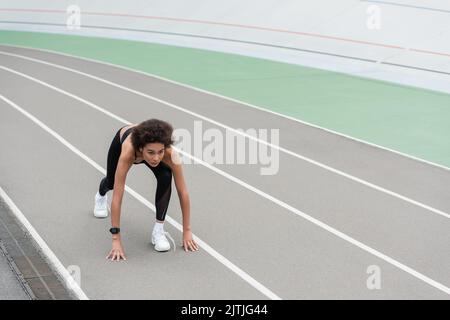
column 124, row 136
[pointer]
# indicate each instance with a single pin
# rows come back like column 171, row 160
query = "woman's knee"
column 106, row 185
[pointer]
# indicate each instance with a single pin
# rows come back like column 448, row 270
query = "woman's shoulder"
column 127, row 151
column 171, row 156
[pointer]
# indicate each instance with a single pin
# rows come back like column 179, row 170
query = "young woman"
column 150, row 143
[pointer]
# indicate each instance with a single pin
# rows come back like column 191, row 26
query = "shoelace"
column 105, row 203
column 101, row 201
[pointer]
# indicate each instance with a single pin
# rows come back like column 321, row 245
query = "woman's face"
column 153, row 153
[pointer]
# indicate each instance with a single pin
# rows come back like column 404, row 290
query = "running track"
column 336, row 207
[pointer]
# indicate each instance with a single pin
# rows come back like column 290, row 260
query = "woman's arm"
column 123, row 166
column 180, row 184
column 119, row 186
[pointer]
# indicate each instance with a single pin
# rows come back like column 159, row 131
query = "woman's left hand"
column 188, row 242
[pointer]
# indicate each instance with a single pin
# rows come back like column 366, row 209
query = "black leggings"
column 162, row 172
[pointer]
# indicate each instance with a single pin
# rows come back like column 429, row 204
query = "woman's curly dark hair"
column 150, row 131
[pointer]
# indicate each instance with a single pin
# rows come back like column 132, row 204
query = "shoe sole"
column 159, row 250
column 101, row 216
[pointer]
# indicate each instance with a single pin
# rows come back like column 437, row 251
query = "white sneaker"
column 160, row 241
column 101, row 206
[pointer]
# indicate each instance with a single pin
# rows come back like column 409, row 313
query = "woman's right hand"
column 116, row 253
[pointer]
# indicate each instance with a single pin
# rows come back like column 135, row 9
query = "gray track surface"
column 291, row 256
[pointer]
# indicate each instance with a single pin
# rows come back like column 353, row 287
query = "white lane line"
column 70, row 283
column 291, row 153
column 227, row 263
column 290, row 208
column 150, row 75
